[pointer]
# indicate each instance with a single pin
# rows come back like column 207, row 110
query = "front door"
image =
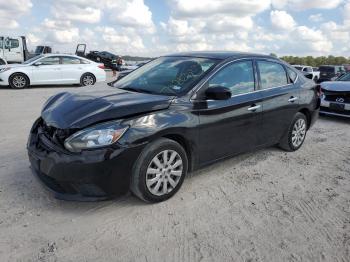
column 231, row 126
column 47, row 71
column 13, row 50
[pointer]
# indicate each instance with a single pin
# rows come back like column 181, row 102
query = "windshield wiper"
column 137, row 90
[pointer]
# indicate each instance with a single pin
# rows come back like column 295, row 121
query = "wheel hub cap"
column 164, row 172
column 298, row 133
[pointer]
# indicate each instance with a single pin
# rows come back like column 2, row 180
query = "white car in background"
column 52, row 69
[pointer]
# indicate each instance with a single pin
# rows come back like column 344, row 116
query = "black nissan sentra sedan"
column 171, row 116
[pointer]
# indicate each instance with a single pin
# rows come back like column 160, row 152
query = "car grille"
column 53, row 134
column 341, row 97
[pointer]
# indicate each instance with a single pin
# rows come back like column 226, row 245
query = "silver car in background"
column 335, row 99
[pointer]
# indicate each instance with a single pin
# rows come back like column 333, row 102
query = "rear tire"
column 159, row 171
column 87, row 79
column 2, row 62
column 294, row 138
column 18, row 81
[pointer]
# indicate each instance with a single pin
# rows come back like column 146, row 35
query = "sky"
column 157, row 27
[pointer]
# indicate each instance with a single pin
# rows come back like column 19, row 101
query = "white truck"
column 13, row 49
column 308, row 71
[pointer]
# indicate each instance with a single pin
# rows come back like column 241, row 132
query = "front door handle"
column 293, row 99
column 254, row 108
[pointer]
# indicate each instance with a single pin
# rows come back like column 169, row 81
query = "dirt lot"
column 263, row 206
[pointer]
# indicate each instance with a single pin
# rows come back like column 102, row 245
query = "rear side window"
column 238, row 77
column 67, row 60
column 272, row 74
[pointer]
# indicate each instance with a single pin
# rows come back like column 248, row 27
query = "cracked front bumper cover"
column 87, row 176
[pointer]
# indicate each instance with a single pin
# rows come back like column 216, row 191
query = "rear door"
column 231, row 126
column 280, row 99
column 47, row 71
column 71, row 70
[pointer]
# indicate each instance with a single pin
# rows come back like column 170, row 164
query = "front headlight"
column 4, row 69
column 94, row 137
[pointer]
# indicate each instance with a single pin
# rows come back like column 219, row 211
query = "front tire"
column 87, row 79
column 18, row 81
column 159, row 171
column 296, row 133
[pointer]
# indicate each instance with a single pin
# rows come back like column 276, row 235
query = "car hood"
column 70, row 110
column 338, row 86
column 12, row 65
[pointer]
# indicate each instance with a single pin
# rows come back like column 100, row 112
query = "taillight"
column 319, row 90
column 101, row 66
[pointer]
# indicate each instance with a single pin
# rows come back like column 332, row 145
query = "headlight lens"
column 94, row 137
column 4, row 69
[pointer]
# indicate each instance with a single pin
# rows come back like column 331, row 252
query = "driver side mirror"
column 218, row 93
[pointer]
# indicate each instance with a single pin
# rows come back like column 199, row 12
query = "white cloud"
column 65, row 36
column 305, row 4
column 195, row 8
column 77, row 11
column 11, row 10
column 133, row 13
column 281, row 20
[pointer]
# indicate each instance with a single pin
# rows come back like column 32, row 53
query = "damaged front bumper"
column 86, row 176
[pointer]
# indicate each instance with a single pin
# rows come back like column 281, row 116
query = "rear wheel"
column 2, row 62
column 87, row 79
column 18, row 81
column 159, row 171
column 295, row 135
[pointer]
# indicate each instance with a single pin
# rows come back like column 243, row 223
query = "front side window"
column 272, row 74
column 11, row 43
column 52, row 60
column 167, row 75
column 238, row 77
column 67, row 60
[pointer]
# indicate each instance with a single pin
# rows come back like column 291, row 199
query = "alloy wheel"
column 88, row 80
column 19, row 81
column 164, row 172
column 298, row 133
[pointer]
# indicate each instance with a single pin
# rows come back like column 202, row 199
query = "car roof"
column 219, row 54
column 46, row 55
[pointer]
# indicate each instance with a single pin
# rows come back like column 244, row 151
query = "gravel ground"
column 262, row 206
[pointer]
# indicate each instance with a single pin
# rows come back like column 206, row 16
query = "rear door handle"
column 254, row 108
column 293, row 99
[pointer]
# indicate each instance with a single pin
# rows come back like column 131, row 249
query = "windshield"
column 32, row 59
column 39, row 49
column 167, row 75
column 345, row 77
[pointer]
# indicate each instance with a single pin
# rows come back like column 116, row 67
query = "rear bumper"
column 86, row 176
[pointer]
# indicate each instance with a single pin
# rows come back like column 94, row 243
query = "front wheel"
column 18, row 81
column 295, row 135
column 159, row 171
